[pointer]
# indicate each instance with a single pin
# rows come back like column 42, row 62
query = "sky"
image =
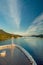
column 21, row 16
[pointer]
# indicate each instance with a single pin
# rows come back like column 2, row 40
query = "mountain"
column 4, row 35
column 40, row 35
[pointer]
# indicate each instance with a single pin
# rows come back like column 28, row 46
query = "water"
column 33, row 45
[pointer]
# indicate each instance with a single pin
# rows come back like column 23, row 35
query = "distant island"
column 4, row 35
column 37, row 35
column 40, row 35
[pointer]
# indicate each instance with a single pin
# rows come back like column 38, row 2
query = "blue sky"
column 21, row 16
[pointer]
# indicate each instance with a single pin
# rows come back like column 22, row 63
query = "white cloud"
column 11, row 13
column 15, row 12
column 20, row 33
column 38, row 19
column 37, row 26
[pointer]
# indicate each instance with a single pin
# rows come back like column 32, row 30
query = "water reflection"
column 36, row 45
column 33, row 45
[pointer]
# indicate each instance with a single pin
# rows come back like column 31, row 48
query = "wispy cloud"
column 37, row 26
column 15, row 12
column 10, row 10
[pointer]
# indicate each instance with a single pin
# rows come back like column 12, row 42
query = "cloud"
column 10, row 11
column 15, row 12
column 37, row 26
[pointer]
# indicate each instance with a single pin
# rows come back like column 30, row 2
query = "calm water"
column 33, row 45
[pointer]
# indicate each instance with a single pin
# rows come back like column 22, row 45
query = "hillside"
column 40, row 35
column 4, row 35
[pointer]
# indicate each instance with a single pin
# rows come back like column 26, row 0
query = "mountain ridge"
column 5, row 35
